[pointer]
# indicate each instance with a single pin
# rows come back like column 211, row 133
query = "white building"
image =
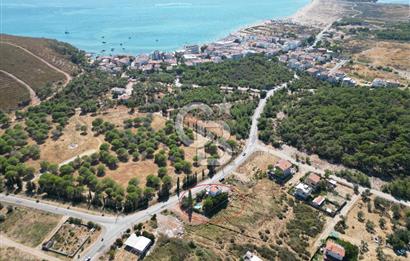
column 137, row 245
column 303, row 191
column 249, row 256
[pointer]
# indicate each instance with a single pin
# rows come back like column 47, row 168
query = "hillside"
column 41, row 65
column 62, row 55
column 12, row 92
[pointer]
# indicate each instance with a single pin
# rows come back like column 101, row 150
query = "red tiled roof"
column 319, row 200
column 313, row 178
column 335, row 248
column 214, row 188
column 283, row 164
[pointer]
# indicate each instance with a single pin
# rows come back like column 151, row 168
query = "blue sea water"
column 139, row 25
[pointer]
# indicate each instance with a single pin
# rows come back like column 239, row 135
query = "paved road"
column 113, row 227
column 329, row 227
column 338, row 66
column 319, row 36
column 306, row 168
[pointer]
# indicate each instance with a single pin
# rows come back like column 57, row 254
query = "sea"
column 137, row 26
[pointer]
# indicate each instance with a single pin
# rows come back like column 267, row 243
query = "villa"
column 313, row 180
column 303, row 190
column 285, row 166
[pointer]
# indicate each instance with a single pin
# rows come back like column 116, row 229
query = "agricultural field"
column 12, row 93
column 27, row 226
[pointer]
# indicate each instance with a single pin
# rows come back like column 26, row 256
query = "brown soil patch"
column 126, row 171
column 392, row 54
column 158, row 122
column 257, row 162
column 71, row 143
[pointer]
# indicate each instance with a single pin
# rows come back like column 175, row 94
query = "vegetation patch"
column 361, row 128
column 254, row 71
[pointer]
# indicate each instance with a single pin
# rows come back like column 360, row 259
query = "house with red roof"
column 334, row 251
column 282, row 171
column 312, row 180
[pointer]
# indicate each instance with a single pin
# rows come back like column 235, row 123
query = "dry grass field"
column 12, row 93
column 28, row 68
column 44, row 48
column 357, row 232
column 384, row 53
column 27, row 226
column 13, row 254
column 371, row 58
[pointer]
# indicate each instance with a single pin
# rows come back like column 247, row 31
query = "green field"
column 12, row 93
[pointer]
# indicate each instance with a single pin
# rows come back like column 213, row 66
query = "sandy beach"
column 321, row 13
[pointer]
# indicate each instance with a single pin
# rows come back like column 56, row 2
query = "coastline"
column 320, row 13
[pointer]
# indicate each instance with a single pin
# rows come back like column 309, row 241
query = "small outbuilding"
column 138, row 245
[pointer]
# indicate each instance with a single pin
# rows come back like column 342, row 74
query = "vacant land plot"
column 382, row 12
column 46, row 49
column 27, row 68
column 258, row 162
column 13, row 254
column 12, row 93
column 381, row 59
column 259, row 217
column 27, row 226
column 357, row 232
column 384, row 53
column 72, row 143
column 126, row 171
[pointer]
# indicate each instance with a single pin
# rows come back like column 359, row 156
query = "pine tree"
column 177, row 190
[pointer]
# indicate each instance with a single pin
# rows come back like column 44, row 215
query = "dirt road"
column 5, row 241
column 33, row 96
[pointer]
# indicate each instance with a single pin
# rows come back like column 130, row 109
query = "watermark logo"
column 211, row 142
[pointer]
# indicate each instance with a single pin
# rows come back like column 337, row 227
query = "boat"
column 104, row 42
column 66, row 32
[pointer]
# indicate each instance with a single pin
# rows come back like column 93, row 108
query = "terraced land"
column 27, row 68
column 12, row 93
